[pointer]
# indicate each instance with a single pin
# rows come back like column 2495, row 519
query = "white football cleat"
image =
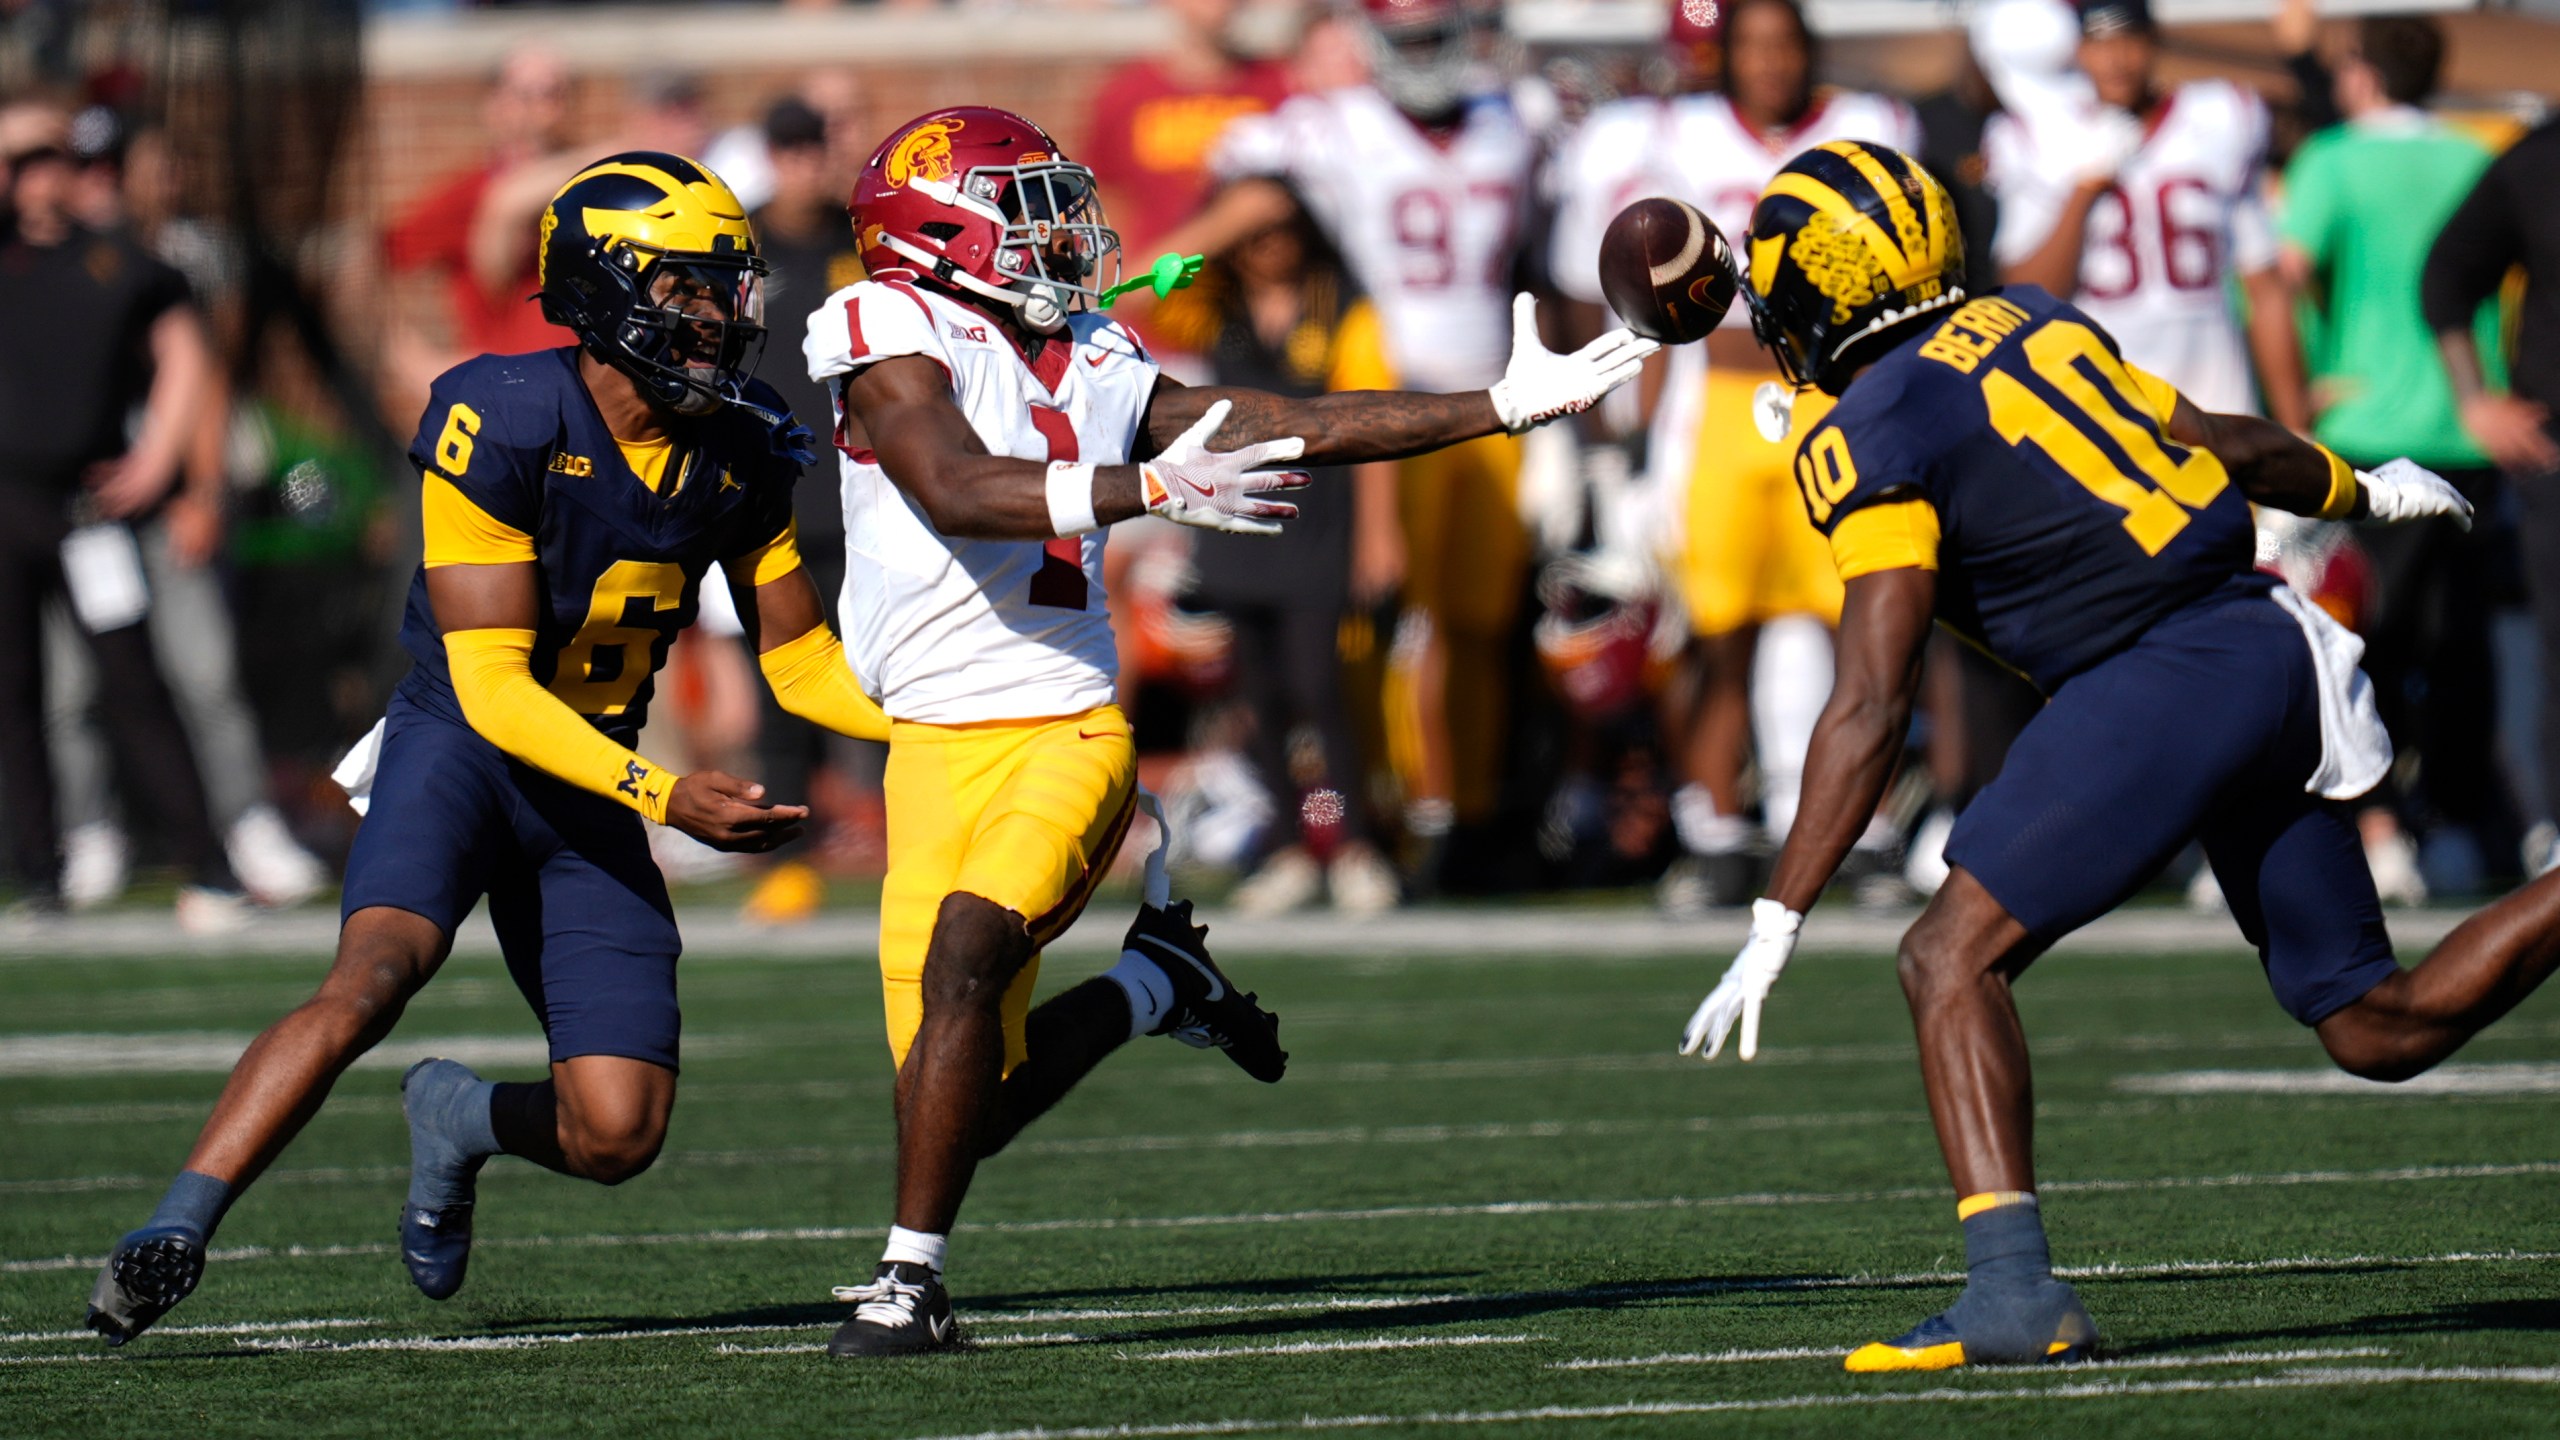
column 278, row 872
column 95, row 862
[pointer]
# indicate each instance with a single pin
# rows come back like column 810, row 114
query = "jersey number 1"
column 2160, row 491
column 1059, row 582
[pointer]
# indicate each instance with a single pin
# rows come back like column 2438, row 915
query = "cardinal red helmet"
column 982, row 200
column 1421, row 53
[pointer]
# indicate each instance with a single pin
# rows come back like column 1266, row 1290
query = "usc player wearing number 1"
column 992, row 424
column 573, row 501
column 1995, row 463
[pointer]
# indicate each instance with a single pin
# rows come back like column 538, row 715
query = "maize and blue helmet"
column 647, row 257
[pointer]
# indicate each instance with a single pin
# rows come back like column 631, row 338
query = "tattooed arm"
column 1340, row 429
column 1352, row 426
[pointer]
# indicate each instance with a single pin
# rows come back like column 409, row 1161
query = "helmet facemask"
column 1426, row 68
column 694, row 327
column 1053, row 254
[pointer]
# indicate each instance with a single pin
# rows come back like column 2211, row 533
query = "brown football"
column 1665, row 270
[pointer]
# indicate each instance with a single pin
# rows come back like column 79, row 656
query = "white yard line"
column 249, row 1327
column 2508, row 1079
column 1834, row 1352
column 1550, row 1414
column 1333, row 1347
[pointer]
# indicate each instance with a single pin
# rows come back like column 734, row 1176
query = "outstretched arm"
column 1346, row 427
column 2281, row 470
column 1355, row 426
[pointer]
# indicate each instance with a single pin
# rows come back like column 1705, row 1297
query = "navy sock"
column 2004, row 1244
column 195, row 1204
column 2012, row 1309
column 450, row 1135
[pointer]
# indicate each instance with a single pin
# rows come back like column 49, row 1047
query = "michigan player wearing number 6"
column 1993, row 463
column 573, row 500
column 992, row 424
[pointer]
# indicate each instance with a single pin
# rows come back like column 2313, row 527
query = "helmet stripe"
column 1910, row 230
column 1831, row 203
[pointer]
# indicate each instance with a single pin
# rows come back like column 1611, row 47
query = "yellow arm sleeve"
column 493, row 678
column 811, row 679
column 1899, row 535
column 767, row 562
column 459, row 532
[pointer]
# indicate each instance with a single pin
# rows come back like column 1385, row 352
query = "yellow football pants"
column 1750, row 554
column 1025, row 814
column 1465, row 551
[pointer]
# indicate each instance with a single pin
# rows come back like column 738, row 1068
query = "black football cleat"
column 903, row 1311
column 435, row 1241
column 436, row 1246
column 1207, row 1011
column 150, row 1271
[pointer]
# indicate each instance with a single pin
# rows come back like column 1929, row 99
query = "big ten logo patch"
column 565, row 463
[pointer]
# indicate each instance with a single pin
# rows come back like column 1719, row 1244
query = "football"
column 1666, row 270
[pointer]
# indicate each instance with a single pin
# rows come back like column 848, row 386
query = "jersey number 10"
column 2160, row 491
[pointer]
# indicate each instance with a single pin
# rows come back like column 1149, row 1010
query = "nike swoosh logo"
column 940, row 1325
column 1217, row 987
column 1095, row 360
column 1203, row 491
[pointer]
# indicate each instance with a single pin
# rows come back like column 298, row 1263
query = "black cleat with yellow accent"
column 1207, row 1011
column 1937, row 1344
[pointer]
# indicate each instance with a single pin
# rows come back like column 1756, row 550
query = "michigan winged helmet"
column 647, row 257
column 1848, row 243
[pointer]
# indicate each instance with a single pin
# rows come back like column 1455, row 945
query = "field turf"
column 1487, row 1200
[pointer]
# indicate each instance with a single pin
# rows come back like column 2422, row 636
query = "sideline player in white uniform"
column 1423, row 183
column 2142, row 213
column 987, row 420
column 1753, row 572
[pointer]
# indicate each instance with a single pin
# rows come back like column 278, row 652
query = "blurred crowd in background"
column 1590, row 659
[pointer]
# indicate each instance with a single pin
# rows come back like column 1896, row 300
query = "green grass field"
column 1488, row 1199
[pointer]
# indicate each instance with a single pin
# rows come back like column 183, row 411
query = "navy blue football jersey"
column 620, row 565
column 2067, row 522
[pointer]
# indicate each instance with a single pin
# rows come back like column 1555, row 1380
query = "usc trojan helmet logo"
column 925, row 153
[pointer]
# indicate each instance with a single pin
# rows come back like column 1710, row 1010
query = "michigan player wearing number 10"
column 1993, row 462
column 573, row 500
column 989, row 421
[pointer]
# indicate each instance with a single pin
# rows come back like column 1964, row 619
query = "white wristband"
column 1071, row 497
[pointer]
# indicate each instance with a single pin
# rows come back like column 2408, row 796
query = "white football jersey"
column 948, row 631
column 1430, row 229
column 1693, row 148
column 2187, row 213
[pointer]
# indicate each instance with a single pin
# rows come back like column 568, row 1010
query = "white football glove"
column 1539, row 384
column 1191, row 484
column 1745, row 984
column 2407, row 490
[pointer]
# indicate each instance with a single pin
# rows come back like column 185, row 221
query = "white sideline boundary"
column 1763, row 1199
column 2099, row 1390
